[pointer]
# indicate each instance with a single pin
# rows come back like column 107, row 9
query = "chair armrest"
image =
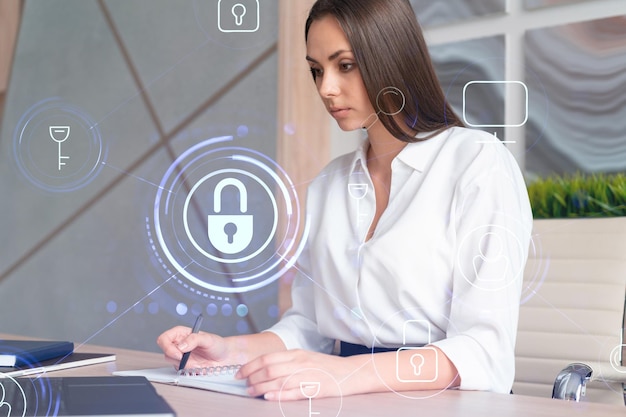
column 571, row 382
column 607, row 372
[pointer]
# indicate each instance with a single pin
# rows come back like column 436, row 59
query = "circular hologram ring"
column 415, row 362
column 497, row 257
column 383, row 106
column 308, row 384
column 12, row 397
column 235, row 217
column 227, row 218
column 57, row 147
column 616, row 359
column 28, row 397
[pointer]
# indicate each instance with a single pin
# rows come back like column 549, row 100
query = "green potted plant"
column 578, row 195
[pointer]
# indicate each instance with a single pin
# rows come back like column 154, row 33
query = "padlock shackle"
column 217, row 194
column 407, row 322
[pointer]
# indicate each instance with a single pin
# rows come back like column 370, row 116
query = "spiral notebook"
column 216, row 378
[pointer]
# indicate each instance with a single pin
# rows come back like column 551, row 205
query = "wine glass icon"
column 59, row 134
column 310, row 390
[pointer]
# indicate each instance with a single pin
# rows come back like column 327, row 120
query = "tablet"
column 81, row 396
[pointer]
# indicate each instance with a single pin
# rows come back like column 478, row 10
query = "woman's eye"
column 316, row 72
column 346, row 66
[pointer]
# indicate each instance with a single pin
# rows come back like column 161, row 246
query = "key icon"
column 59, row 134
column 358, row 191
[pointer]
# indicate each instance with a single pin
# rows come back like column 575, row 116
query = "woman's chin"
column 349, row 126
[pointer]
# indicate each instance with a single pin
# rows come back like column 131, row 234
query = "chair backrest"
column 573, row 303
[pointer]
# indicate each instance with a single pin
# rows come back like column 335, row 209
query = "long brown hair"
column 391, row 52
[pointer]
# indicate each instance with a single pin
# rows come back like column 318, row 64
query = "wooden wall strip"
column 303, row 146
column 9, row 23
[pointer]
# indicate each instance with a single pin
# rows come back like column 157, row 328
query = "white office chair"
column 570, row 339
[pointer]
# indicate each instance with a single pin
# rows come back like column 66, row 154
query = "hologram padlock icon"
column 238, row 16
column 230, row 233
column 416, row 368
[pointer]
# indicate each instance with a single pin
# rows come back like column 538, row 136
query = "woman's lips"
column 339, row 112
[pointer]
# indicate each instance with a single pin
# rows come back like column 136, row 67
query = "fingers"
column 262, row 363
column 270, row 375
column 206, row 348
column 289, row 375
column 169, row 341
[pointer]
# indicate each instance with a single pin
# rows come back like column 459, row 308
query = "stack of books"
column 26, row 357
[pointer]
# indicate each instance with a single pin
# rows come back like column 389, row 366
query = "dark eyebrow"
column 330, row 58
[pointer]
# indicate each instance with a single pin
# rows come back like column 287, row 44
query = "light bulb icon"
column 310, row 390
column 239, row 11
column 60, row 134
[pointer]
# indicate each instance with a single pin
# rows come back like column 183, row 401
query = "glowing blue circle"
column 287, row 250
column 242, row 327
column 225, row 260
column 242, row 310
column 153, row 307
column 273, row 311
column 242, row 131
column 227, row 310
column 111, row 307
column 181, row 309
column 211, row 309
column 31, row 140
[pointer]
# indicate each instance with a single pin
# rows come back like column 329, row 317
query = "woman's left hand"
column 278, row 375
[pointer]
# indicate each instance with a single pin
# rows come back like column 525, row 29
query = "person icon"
column 4, row 403
column 500, row 264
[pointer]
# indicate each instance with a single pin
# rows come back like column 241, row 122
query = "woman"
column 419, row 238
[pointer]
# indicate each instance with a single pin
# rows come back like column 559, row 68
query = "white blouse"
column 443, row 267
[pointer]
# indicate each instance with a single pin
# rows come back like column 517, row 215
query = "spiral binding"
column 210, row 371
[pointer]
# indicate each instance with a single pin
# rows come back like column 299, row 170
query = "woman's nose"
column 329, row 86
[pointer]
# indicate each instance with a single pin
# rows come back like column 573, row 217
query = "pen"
column 195, row 329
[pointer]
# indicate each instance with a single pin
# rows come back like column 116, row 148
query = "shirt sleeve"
column 298, row 328
column 493, row 224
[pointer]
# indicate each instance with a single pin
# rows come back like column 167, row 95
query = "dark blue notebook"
column 31, row 352
column 82, row 396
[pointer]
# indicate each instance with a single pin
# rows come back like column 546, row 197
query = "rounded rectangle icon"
column 473, row 85
column 413, row 368
column 238, row 16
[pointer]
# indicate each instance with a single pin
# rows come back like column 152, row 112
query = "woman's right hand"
column 206, row 349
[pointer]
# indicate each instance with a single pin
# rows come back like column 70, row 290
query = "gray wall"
column 140, row 82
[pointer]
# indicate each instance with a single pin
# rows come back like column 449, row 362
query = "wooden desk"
column 189, row 402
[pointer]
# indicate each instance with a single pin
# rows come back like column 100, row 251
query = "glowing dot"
column 153, row 307
column 111, row 306
column 289, row 129
column 356, row 313
column 211, row 309
column 227, row 310
column 242, row 310
column 272, row 311
column 339, row 313
column 196, row 309
column 355, row 332
column 242, row 326
column 242, row 131
column 181, row 309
